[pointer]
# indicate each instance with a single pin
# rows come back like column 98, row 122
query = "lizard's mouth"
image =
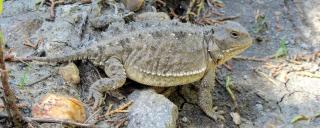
column 231, row 52
column 235, row 49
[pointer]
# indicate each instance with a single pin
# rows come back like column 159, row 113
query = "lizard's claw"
column 216, row 115
column 97, row 96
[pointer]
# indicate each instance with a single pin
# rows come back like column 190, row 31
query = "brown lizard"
column 163, row 54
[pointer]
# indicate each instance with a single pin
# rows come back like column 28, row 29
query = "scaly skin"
column 164, row 54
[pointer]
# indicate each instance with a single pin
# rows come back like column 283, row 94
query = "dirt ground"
column 269, row 92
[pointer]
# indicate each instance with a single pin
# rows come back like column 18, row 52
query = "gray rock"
column 151, row 110
column 17, row 7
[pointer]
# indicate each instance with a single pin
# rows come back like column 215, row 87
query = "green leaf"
column 23, row 80
column 283, row 50
column 37, row 3
column 299, row 118
column 228, row 84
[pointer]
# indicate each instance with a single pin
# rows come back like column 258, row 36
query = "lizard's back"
column 163, row 56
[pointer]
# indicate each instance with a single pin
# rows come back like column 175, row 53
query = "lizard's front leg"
column 205, row 95
column 116, row 78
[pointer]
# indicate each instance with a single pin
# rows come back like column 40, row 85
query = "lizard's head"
column 227, row 40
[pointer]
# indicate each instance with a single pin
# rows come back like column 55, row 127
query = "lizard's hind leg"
column 116, row 79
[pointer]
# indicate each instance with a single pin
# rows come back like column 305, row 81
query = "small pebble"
column 259, row 107
column 236, row 117
column 133, row 5
column 184, row 119
column 59, row 107
column 70, row 73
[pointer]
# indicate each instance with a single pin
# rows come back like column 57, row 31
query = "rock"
column 70, row 73
column 102, row 22
column 160, row 16
column 185, row 119
column 59, row 107
column 133, row 5
column 151, row 110
column 17, row 7
column 236, row 117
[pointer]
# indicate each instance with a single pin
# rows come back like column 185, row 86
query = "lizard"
column 163, row 54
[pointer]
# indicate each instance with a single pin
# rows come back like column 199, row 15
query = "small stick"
column 276, row 82
column 109, row 108
column 44, row 78
column 52, row 11
column 86, row 1
column 28, row 43
column 65, row 122
column 250, row 58
column 227, row 66
column 18, row 105
column 120, row 123
column 228, row 18
column 294, row 62
column 309, row 74
column 162, row 2
column 91, row 116
column 9, row 97
column 173, row 13
column 9, row 56
column 120, row 109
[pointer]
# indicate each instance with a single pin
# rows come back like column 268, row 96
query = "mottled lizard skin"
column 163, row 54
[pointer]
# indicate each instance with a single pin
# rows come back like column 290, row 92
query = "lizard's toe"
column 97, row 96
column 216, row 114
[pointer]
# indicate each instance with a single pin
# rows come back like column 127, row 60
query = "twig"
column 86, row 1
column 120, row 123
column 9, row 56
column 109, row 108
column 52, row 13
column 28, row 43
column 18, row 105
column 227, row 18
column 9, row 97
column 91, row 116
column 260, row 73
column 42, row 79
column 200, row 7
column 250, row 58
column 227, row 66
column 294, row 62
column 173, row 13
column 191, row 4
column 65, row 122
column 161, row 2
column 120, row 109
column 309, row 74
column 22, row 60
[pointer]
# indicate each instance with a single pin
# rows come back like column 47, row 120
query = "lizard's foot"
column 97, row 96
column 215, row 114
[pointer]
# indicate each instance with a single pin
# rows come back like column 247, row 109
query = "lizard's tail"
column 78, row 55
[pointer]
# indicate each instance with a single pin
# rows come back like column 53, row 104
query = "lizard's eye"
column 234, row 34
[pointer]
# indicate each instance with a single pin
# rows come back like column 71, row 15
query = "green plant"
column 24, row 79
column 283, row 50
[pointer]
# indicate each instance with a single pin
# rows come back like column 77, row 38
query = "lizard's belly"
column 163, row 80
